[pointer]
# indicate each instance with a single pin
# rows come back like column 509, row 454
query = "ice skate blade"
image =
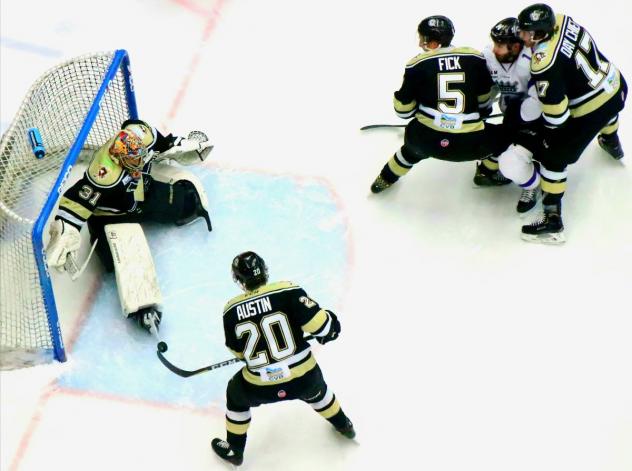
column 555, row 238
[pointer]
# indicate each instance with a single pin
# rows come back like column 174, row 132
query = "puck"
column 162, row 347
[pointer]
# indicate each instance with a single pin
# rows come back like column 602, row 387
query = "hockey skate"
column 611, row 144
column 528, row 200
column 347, row 430
column 548, row 229
column 379, row 185
column 486, row 177
column 223, row 449
column 149, row 319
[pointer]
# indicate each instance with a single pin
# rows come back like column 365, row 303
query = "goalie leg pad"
column 188, row 196
column 134, row 267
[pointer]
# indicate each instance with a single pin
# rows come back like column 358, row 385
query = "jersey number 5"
column 454, row 96
column 267, row 324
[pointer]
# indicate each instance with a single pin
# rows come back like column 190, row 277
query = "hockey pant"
column 242, row 395
column 422, row 142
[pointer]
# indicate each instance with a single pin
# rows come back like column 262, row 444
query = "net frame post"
column 120, row 60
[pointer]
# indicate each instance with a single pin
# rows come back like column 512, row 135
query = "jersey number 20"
column 253, row 332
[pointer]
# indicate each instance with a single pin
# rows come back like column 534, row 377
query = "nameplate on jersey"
column 275, row 372
column 448, row 121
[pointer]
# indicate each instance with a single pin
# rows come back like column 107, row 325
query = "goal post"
column 73, row 108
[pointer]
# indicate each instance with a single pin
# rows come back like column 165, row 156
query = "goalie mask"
column 128, row 150
column 249, row 270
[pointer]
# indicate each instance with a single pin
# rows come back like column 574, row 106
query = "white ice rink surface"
column 463, row 348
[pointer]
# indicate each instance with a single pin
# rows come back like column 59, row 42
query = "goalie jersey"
column 572, row 77
column 106, row 187
column 265, row 328
column 447, row 89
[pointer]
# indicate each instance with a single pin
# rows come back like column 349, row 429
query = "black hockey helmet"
column 249, row 270
column 538, row 18
column 437, row 28
column 506, row 31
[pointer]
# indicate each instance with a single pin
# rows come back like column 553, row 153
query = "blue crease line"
column 29, row 47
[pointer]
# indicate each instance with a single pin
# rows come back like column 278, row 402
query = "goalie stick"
column 71, row 264
column 162, row 347
column 377, row 126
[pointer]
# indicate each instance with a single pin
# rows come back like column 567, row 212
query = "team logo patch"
column 281, row 394
column 444, row 143
column 539, row 57
column 535, row 15
column 102, row 172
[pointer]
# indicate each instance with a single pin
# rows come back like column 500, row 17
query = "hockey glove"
column 64, row 242
column 334, row 330
column 190, row 151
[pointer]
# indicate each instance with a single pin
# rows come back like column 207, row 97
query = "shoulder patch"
column 103, row 171
column 544, row 54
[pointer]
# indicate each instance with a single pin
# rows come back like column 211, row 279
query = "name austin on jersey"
column 254, row 307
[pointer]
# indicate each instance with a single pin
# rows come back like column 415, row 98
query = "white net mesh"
column 57, row 104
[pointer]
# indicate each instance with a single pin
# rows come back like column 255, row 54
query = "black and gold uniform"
column 265, row 327
column 111, row 193
column 449, row 92
column 581, row 92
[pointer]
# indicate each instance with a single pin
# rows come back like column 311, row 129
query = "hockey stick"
column 71, row 264
column 377, row 126
column 162, row 347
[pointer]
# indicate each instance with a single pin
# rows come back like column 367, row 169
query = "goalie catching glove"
column 64, row 242
column 190, row 151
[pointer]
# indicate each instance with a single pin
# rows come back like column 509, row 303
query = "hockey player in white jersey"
column 509, row 63
column 129, row 181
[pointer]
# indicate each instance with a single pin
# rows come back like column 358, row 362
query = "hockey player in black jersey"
column 265, row 327
column 127, row 182
column 448, row 91
column 581, row 92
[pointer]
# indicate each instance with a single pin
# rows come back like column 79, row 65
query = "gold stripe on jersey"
column 596, row 102
column 261, row 291
column 543, row 57
column 556, row 110
column 482, row 99
column 236, row 353
column 330, row 411
column 75, row 208
column 103, row 172
column 316, row 322
column 465, row 127
column 404, row 108
column 296, row 372
column 139, row 191
column 444, row 51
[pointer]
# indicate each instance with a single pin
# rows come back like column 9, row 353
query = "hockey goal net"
column 74, row 107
